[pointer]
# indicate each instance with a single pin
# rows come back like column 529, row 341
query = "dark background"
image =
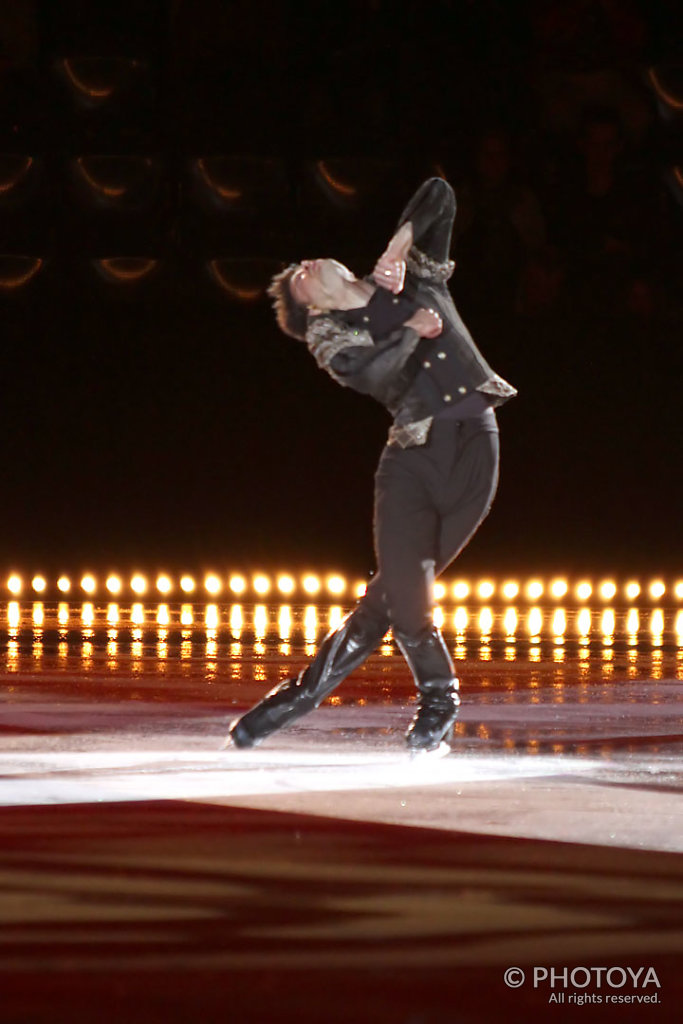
column 164, row 421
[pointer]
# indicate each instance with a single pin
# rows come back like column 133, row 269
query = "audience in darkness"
column 561, row 206
column 499, row 226
column 587, row 52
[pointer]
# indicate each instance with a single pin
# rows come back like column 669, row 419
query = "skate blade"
column 422, row 755
column 232, row 742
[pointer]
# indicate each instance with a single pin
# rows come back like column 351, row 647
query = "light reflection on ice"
column 110, row 776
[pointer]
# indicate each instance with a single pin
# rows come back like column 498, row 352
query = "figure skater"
column 397, row 337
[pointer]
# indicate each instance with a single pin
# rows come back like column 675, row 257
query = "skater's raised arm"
column 422, row 240
column 431, row 213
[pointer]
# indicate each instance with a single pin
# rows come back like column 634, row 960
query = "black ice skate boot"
column 340, row 653
column 438, row 702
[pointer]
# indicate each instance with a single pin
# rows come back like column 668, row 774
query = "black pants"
column 429, row 501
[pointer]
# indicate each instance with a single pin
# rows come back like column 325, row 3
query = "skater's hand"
column 389, row 273
column 426, row 322
column 390, row 269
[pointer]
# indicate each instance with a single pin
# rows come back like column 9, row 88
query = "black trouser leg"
column 342, row 651
column 437, row 686
column 429, row 502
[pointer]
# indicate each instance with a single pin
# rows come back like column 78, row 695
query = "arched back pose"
column 397, row 337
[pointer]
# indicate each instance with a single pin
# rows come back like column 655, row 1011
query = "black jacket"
column 370, row 351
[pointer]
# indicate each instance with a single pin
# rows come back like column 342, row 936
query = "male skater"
column 397, row 337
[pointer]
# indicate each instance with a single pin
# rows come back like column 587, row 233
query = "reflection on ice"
column 655, row 628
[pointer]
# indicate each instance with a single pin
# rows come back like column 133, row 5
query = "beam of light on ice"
column 111, row 776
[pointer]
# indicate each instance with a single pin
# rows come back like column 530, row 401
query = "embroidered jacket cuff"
column 426, row 268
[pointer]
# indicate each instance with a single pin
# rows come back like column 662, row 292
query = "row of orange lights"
column 212, row 584
column 336, row 585
column 533, row 622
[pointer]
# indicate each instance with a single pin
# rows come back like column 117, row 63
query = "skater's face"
column 320, row 284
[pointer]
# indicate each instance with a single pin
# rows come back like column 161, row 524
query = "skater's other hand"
column 426, row 322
